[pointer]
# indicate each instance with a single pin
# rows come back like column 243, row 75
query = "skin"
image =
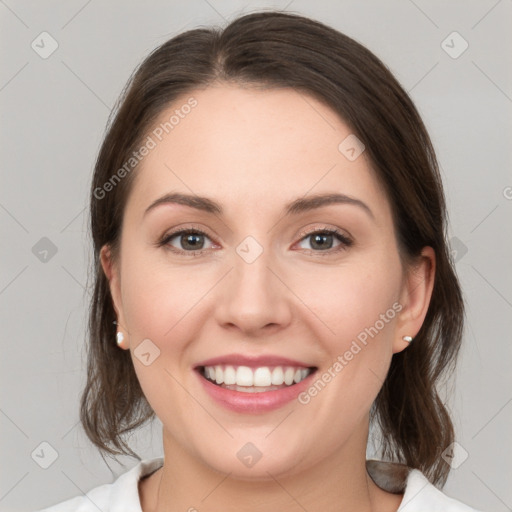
column 255, row 151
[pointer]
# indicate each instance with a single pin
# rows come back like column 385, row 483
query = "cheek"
column 165, row 307
column 158, row 304
column 157, row 297
column 355, row 308
column 348, row 300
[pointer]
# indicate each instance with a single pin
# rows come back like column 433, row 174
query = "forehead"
column 253, row 148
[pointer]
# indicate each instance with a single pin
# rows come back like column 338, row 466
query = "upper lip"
column 252, row 361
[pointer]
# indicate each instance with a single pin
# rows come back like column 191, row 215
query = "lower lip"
column 255, row 403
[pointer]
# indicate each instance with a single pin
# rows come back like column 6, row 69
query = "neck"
column 338, row 483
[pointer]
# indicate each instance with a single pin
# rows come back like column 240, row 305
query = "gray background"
column 53, row 115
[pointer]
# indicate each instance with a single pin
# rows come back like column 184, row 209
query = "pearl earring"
column 407, row 338
column 119, row 338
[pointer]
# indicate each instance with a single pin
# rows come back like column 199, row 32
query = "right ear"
column 111, row 271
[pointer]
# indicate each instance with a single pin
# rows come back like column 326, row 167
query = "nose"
column 253, row 297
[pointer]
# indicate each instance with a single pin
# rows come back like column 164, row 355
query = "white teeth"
column 229, row 375
column 263, row 377
column 244, row 376
column 253, row 389
column 278, row 376
column 288, row 376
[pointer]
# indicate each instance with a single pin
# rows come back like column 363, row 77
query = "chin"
column 252, row 460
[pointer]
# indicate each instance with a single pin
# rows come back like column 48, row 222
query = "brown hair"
column 277, row 49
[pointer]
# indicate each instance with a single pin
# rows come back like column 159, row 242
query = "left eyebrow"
column 297, row 206
column 317, row 201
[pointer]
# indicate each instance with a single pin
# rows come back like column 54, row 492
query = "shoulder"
column 114, row 497
column 419, row 494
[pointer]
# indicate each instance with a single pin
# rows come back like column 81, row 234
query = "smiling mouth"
column 255, row 380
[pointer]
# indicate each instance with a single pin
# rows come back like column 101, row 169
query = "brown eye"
column 185, row 241
column 325, row 240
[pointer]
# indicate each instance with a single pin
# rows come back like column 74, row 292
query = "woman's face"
column 258, row 286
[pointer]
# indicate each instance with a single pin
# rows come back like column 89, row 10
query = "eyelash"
column 345, row 241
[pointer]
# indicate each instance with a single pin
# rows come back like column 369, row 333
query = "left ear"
column 415, row 297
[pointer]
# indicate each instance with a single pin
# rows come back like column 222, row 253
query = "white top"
column 123, row 494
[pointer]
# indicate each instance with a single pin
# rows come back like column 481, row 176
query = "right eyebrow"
column 198, row 202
